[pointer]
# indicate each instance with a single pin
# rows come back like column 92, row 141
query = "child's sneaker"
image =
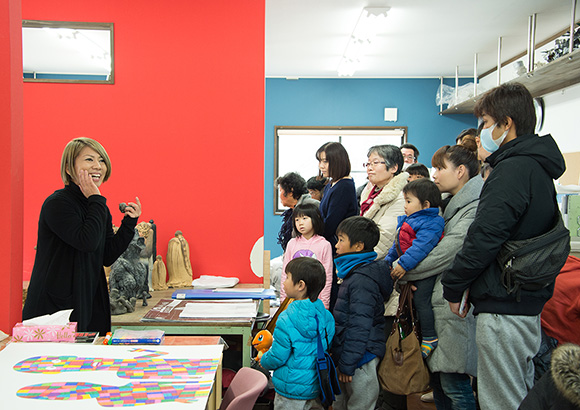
column 427, row 346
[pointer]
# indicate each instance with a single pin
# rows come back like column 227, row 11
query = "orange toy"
column 262, row 342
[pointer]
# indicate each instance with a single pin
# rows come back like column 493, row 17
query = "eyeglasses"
column 373, row 164
column 409, row 157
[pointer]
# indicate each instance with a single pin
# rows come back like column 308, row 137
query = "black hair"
column 466, row 132
column 337, row 158
column 418, row 169
column 292, row 184
column 310, row 210
column 360, row 229
column 311, row 272
column 414, row 148
column 317, row 183
column 509, row 100
column 391, row 154
column 424, row 190
column 457, row 155
column 486, row 169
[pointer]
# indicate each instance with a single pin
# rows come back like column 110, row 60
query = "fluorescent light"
column 370, row 22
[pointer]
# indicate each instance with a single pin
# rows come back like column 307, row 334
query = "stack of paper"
column 237, row 309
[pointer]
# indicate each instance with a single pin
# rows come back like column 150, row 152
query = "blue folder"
column 213, row 294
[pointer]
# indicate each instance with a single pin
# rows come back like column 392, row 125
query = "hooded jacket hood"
column 302, row 313
column 543, row 150
column 566, row 371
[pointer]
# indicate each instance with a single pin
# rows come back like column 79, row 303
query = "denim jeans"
column 452, row 391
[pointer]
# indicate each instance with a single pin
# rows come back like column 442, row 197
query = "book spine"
column 146, row 341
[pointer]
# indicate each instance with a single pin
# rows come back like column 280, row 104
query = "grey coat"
column 456, row 351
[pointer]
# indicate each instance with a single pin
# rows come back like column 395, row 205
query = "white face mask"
column 487, row 141
column 405, row 166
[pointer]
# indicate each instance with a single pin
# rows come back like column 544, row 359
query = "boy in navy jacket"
column 359, row 343
column 293, row 353
column 418, row 232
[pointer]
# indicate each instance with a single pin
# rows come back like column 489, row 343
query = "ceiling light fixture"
column 369, row 24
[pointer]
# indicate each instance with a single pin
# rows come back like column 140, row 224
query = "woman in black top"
column 75, row 240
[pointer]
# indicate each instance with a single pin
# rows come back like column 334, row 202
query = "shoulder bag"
column 533, row 264
column 327, row 377
column 403, row 371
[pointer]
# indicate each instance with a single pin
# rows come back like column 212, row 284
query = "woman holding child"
column 454, row 358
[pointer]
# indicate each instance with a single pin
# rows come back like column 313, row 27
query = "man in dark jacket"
column 518, row 201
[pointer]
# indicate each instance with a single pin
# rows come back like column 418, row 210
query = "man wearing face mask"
column 518, row 201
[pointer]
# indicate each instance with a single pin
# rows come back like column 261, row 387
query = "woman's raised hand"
column 87, row 184
column 133, row 209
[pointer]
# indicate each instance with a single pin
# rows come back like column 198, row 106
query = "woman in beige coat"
column 382, row 199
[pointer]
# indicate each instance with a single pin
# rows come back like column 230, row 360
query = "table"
column 133, row 321
column 215, row 398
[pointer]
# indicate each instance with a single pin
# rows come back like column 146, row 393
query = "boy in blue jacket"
column 293, row 352
column 359, row 313
column 418, row 232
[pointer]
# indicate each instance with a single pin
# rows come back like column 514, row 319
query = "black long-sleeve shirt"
column 75, row 241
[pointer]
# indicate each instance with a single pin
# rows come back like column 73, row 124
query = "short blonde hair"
column 72, row 151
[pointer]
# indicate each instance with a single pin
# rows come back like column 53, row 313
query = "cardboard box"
column 44, row 333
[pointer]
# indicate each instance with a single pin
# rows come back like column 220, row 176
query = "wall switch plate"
column 390, row 114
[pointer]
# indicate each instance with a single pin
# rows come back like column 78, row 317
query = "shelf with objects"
column 557, row 69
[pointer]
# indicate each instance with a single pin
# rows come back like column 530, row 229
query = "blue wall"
column 353, row 102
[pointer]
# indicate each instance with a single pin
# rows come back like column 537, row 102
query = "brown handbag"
column 403, row 371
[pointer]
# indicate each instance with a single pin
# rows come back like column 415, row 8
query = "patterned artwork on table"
column 131, row 394
column 98, row 375
column 148, row 366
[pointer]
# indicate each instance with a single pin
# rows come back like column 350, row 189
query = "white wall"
column 562, row 118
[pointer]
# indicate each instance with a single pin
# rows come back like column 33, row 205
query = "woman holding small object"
column 75, row 240
column 454, row 359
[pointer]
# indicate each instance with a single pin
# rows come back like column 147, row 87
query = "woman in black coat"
column 75, row 240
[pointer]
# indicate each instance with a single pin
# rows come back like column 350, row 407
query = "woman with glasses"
column 339, row 196
column 382, row 199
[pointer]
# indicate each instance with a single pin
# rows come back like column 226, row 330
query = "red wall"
column 11, row 163
column 183, row 123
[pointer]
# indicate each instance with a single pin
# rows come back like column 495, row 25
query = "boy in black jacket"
column 518, row 201
column 359, row 341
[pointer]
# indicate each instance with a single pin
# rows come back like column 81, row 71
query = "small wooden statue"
column 178, row 263
column 159, row 275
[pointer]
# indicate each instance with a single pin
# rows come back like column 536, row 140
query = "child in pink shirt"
column 308, row 227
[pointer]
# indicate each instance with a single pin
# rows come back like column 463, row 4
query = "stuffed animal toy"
column 262, row 342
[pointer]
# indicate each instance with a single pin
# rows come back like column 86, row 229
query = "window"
column 295, row 149
column 67, row 52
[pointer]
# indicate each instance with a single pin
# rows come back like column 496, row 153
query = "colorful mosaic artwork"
column 192, row 379
column 131, row 394
column 148, row 366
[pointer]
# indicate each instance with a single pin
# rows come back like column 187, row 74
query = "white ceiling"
column 422, row 38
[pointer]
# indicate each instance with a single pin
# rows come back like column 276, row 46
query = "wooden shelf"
column 558, row 74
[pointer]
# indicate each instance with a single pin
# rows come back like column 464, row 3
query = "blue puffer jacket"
column 418, row 234
column 293, row 353
column 359, row 314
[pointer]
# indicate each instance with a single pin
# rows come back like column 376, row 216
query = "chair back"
column 244, row 389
